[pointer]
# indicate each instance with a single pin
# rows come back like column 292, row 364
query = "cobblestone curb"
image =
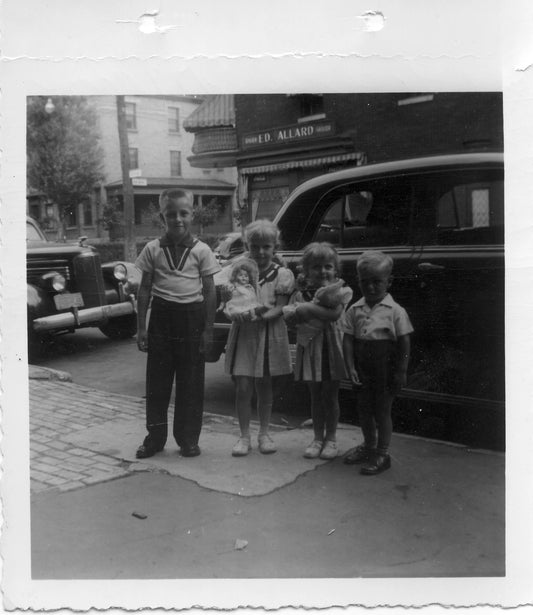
column 46, row 373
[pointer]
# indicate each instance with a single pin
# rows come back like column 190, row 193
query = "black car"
column 442, row 220
column 68, row 288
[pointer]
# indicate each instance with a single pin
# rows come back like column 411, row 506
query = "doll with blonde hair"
column 240, row 293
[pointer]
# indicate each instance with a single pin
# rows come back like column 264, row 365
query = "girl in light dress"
column 258, row 347
column 316, row 308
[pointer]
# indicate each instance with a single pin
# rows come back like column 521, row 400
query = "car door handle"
column 430, row 267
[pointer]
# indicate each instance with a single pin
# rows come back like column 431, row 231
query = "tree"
column 207, row 213
column 64, row 159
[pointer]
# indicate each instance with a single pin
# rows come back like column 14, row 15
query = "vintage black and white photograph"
column 266, row 335
column 271, row 348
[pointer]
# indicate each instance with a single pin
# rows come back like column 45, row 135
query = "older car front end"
column 68, row 288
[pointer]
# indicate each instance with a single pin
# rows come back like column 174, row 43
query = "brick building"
column 280, row 140
column 159, row 148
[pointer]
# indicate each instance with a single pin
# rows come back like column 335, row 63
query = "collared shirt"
column 177, row 267
column 387, row 320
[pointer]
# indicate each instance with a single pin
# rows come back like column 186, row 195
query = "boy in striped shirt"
column 177, row 276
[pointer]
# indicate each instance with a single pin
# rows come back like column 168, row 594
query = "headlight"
column 54, row 281
column 120, row 272
column 59, row 283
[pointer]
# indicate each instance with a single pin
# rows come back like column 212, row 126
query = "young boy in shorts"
column 177, row 275
column 376, row 351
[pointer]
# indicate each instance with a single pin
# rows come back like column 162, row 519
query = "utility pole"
column 130, row 247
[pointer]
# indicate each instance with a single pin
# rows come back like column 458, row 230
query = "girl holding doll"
column 316, row 308
column 258, row 345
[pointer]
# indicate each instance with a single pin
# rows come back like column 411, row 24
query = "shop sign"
column 139, row 181
column 288, row 134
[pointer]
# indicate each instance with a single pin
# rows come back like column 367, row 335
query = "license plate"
column 65, row 301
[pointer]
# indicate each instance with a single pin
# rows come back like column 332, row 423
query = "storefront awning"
column 158, row 183
column 216, row 110
column 358, row 157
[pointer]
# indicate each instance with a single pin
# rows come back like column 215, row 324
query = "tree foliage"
column 207, row 213
column 64, row 159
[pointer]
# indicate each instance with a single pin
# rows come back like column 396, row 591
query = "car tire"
column 36, row 345
column 122, row 328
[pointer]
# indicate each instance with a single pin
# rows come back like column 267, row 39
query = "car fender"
column 39, row 302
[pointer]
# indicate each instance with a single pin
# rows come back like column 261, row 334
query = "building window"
column 173, row 119
column 71, row 216
column 175, row 164
column 134, row 157
column 131, row 116
column 311, row 105
column 87, row 209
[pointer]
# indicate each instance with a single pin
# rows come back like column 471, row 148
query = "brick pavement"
column 57, row 410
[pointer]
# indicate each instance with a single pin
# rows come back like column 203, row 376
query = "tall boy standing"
column 177, row 274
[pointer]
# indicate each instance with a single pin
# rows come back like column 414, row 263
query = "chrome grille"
column 37, row 268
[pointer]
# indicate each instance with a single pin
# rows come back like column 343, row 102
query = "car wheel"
column 121, row 328
column 36, row 345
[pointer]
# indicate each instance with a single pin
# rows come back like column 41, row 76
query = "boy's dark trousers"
column 375, row 360
column 174, row 334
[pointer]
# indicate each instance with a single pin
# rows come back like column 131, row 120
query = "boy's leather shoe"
column 190, row 451
column 146, row 450
column 359, row 454
column 379, row 464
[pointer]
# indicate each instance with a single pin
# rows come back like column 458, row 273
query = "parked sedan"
column 442, row 220
column 68, row 289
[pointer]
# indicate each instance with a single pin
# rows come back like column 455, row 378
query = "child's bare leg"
column 365, row 402
column 317, row 410
column 263, row 387
column 330, row 403
column 244, row 388
column 383, row 414
column 381, row 460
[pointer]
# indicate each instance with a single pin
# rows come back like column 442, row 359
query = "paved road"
column 118, row 367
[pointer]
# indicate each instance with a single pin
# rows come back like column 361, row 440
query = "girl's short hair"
column 173, row 194
column 319, row 252
column 261, row 230
column 374, row 259
column 248, row 265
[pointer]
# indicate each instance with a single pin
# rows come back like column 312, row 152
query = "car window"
column 32, row 234
column 471, row 213
column 368, row 215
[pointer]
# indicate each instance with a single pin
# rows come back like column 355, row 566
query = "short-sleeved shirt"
column 387, row 320
column 177, row 268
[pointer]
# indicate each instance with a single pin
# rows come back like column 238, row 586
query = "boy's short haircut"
column 374, row 259
column 321, row 252
column 261, row 230
column 173, row 194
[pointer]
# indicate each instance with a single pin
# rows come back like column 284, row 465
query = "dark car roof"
column 329, row 180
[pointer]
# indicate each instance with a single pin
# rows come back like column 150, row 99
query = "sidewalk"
column 439, row 511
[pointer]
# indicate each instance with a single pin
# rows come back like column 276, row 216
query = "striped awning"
column 216, row 110
column 358, row 157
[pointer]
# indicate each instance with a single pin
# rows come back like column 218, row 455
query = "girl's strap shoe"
column 266, row 444
column 313, row 450
column 242, row 447
column 330, row 450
